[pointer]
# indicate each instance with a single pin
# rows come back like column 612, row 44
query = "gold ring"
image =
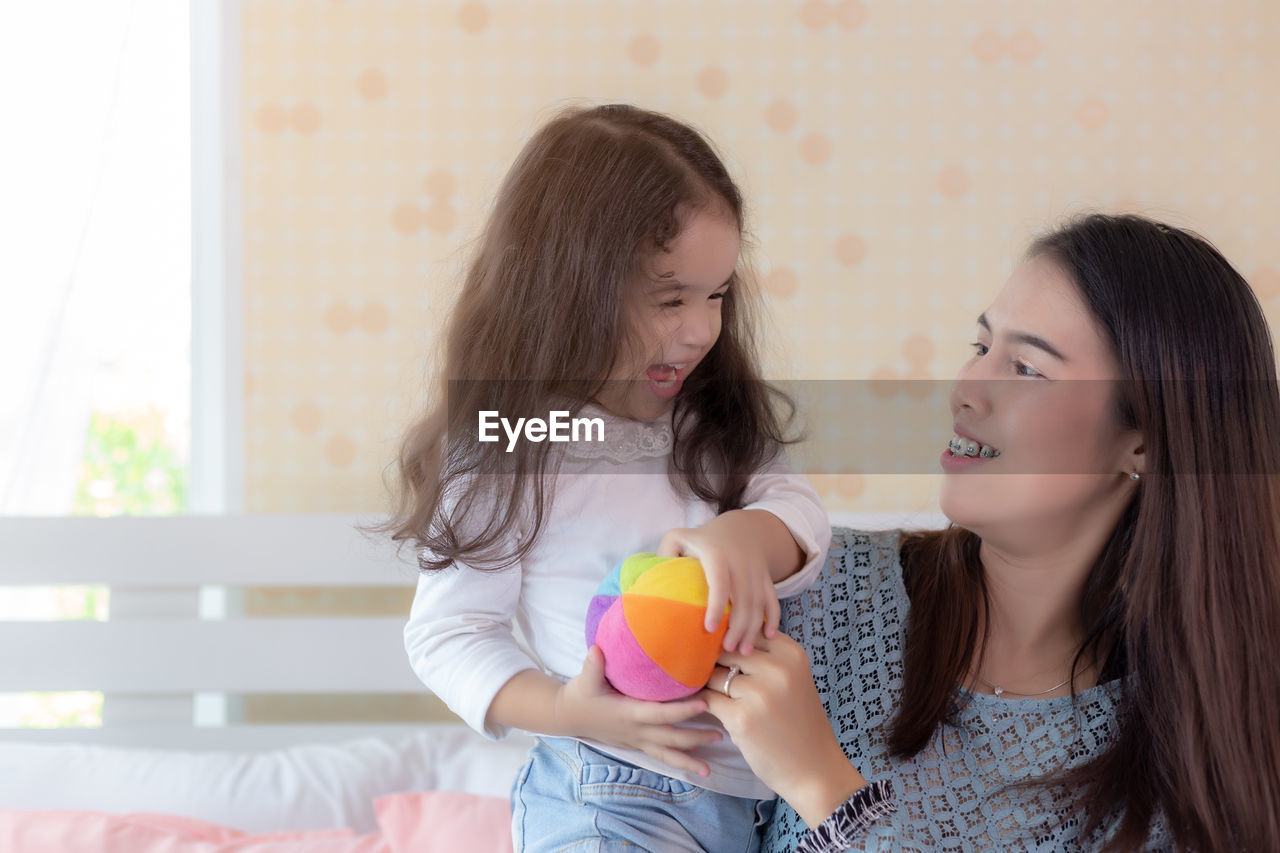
column 728, row 679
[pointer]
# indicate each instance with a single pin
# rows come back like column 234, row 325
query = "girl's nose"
column 700, row 327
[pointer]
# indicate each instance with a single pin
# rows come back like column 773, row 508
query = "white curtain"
column 94, row 209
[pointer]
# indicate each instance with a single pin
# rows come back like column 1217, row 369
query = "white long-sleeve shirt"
column 611, row 499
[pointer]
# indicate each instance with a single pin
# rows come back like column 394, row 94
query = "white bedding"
column 312, row 786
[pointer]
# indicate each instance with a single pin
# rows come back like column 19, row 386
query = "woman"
column 1090, row 656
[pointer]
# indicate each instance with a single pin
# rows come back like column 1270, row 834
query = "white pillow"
column 310, row 786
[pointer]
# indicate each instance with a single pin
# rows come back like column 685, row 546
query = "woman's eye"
column 719, row 295
column 674, row 303
column 1023, row 369
column 979, row 348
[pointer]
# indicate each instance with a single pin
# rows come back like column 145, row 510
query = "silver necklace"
column 1000, row 691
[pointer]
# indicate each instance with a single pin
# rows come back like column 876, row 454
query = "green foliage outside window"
column 130, row 468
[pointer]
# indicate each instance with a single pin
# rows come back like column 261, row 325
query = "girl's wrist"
column 563, row 722
column 535, row 702
column 782, row 552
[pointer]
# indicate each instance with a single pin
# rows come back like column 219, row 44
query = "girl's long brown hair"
column 542, row 317
column 1184, row 601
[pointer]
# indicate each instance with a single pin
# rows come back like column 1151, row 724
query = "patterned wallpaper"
column 896, row 155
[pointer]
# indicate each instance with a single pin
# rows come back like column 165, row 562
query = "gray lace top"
column 957, row 793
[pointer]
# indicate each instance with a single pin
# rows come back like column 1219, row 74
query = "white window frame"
column 216, row 483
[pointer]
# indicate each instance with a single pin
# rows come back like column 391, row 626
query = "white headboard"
column 158, row 654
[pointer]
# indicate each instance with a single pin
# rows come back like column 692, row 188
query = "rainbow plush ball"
column 648, row 618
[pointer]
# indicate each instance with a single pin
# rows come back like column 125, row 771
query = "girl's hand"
column 743, row 553
column 773, row 714
column 588, row 707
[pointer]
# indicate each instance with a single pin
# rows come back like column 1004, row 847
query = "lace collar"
column 625, row 440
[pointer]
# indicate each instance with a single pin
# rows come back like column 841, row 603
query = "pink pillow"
column 95, row 832
column 445, row 821
column 424, row 822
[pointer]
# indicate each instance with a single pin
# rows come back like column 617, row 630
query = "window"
column 95, row 410
column 98, row 183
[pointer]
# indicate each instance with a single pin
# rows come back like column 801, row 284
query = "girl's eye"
column 979, row 349
column 719, row 295
column 674, row 303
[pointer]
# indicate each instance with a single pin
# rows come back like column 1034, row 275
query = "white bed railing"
column 164, row 650
column 160, row 652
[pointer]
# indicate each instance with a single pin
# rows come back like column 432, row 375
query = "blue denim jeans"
column 569, row 797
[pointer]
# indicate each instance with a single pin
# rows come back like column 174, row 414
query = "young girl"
column 603, row 294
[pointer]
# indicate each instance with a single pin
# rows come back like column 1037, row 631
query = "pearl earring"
column 1135, row 476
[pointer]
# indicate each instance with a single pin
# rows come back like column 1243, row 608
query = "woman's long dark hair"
column 1184, row 600
column 542, row 317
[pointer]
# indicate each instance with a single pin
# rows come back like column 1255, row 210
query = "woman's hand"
column 773, row 714
column 586, row 706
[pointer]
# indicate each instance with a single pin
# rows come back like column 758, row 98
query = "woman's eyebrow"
column 1026, row 338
